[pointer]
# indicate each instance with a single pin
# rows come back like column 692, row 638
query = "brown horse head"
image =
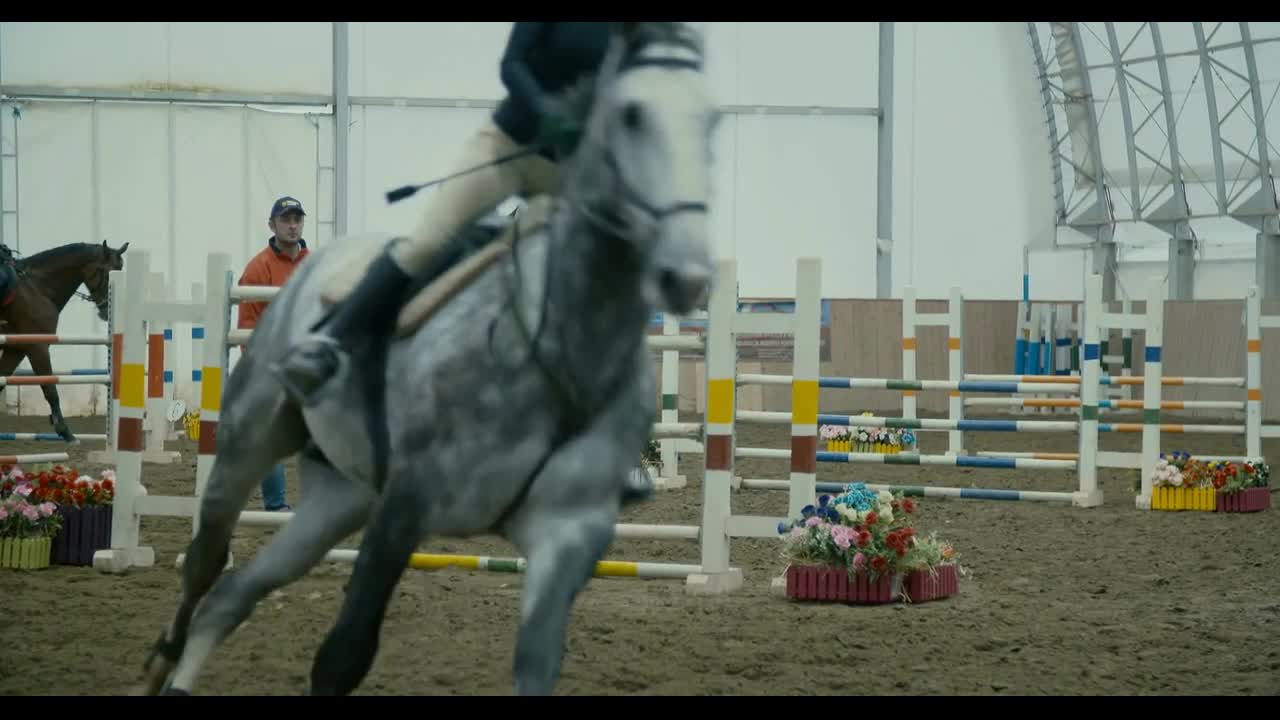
column 96, row 274
column 59, row 272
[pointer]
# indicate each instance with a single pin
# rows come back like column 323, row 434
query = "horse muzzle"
column 683, row 289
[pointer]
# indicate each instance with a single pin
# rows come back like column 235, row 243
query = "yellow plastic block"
column 25, row 553
column 1181, row 498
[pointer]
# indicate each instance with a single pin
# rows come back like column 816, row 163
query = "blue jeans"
column 273, row 489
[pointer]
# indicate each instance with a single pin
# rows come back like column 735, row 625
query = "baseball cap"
column 286, row 204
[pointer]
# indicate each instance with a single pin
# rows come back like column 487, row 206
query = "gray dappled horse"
column 518, row 408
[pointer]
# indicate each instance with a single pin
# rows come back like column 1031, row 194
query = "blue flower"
column 823, row 499
column 808, row 511
column 782, row 528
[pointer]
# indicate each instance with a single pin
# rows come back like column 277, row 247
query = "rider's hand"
column 559, row 132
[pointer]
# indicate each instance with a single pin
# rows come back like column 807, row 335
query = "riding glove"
column 560, row 133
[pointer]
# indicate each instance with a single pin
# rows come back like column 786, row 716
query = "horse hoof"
column 175, row 691
column 157, row 673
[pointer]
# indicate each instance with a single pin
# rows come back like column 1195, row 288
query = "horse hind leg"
column 256, row 432
column 332, row 508
column 41, row 365
column 11, row 357
column 397, row 526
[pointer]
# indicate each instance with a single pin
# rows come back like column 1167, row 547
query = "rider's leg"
column 370, row 310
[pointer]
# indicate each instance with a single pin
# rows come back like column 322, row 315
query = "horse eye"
column 632, row 116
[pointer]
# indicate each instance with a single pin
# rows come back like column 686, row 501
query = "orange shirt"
column 269, row 267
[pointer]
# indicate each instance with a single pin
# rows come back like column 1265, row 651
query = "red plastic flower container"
column 933, row 584
column 1255, row 499
column 833, row 584
column 84, row 531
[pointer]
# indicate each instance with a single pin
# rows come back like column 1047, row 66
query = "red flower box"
column 1252, row 499
column 824, row 583
column 84, row 531
column 934, row 584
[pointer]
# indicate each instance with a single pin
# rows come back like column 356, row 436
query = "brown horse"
column 44, row 283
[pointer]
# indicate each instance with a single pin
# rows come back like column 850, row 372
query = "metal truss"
column 1157, row 195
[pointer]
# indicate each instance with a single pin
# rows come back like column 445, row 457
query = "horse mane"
column 57, row 255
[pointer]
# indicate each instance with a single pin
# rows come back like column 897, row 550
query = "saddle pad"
column 531, row 218
column 423, row 305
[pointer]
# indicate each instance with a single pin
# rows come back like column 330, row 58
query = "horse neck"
column 59, row 282
column 596, row 309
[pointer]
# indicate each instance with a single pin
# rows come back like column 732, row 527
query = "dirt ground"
column 1055, row 600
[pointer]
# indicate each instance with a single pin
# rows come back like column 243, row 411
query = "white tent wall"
column 287, row 57
column 394, row 146
column 972, row 181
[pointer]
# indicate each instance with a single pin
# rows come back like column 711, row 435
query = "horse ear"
column 122, row 249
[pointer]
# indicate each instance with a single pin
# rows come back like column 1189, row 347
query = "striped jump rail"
column 604, row 568
column 1042, row 380
column 46, row 437
column 945, row 424
column 975, row 493
column 55, row 380
column 640, row 531
column 993, row 463
column 1076, row 456
column 1029, row 455
column 32, row 458
column 909, row 385
column 54, row 340
column 1105, row 404
column 923, row 491
column 1173, row 428
column 677, row 430
column 77, row 371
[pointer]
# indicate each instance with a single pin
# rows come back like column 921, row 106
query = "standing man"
column 273, row 266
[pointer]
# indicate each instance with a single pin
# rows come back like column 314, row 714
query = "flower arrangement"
column 23, row 515
column 1181, row 482
column 80, row 507
column 27, row 527
column 867, row 534
column 61, row 485
column 840, row 438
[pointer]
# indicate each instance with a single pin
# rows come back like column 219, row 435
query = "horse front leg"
column 564, row 528
column 563, row 546
column 41, row 365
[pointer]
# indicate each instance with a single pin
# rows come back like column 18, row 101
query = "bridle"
column 630, row 196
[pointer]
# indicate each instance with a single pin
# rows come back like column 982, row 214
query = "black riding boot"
column 369, row 312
